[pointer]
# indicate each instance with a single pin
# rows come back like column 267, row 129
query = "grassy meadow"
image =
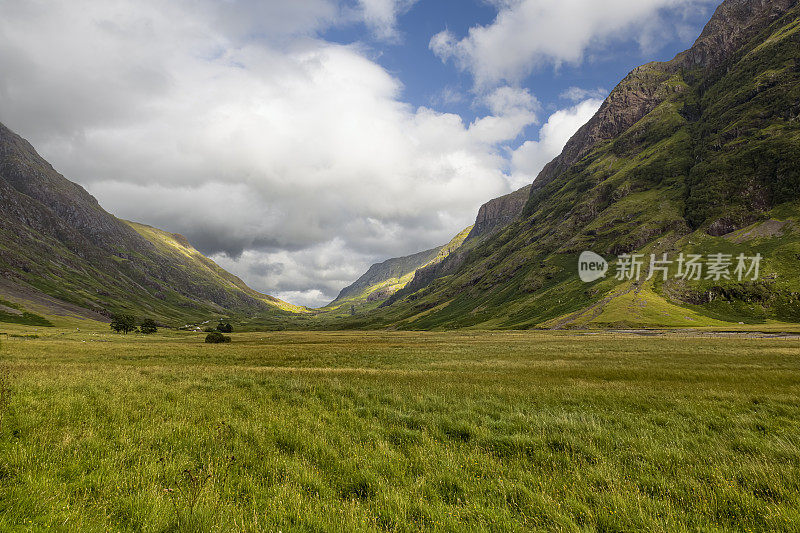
column 399, row 431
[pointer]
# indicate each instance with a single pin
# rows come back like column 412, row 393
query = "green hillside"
column 179, row 250
column 385, row 279
column 696, row 155
column 61, row 254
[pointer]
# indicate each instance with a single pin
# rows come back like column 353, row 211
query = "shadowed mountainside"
column 56, row 240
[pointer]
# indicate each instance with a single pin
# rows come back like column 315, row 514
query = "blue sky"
column 298, row 142
column 426, row 76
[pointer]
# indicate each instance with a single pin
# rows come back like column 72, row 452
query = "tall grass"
column 401, row 431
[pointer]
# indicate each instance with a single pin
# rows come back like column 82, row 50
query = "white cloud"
column 512, row 109
column 381, row 16
column 530, row 33
column 577, row 94
column 256, row 140
column 530, row 158
column 448, row 96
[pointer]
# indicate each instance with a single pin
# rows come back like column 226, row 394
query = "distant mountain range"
column 698, row 156
column 387, row 281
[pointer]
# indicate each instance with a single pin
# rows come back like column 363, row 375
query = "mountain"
column 61, row 253
column 698, row 155
column 384, row 279
column 492, row 217
column 496, row 214
column 385, row 282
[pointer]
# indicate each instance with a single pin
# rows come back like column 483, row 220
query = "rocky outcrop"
column 636, row 96
column 734, row 23
column 498, row 213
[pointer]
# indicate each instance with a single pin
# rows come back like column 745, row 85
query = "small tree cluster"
column 224, row 327
column 127, row 324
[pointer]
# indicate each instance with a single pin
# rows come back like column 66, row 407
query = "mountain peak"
column 734, row 22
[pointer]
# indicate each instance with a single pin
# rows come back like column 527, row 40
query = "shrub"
column 148, row 326
column 217, row 338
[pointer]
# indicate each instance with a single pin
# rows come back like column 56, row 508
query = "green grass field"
column 399, row 431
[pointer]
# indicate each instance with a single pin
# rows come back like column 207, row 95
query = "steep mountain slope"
column 386, row 282
column 56, row 240
column 177, row 249
column 493, row 216
column 695, row 155
column 384, row 279
column 496, row 214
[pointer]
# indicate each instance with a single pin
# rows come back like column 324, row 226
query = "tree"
column 217, row 338
column 123, row 323
column 148, row 326
column 224, row 328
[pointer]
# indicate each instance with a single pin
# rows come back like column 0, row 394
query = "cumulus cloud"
column 292, row 160
column 531, row 33
column 530, row 158
column 448, row 96
column 513, row 109
column 578, row 94
column 381, row 16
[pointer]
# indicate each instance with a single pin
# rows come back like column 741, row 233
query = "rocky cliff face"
column 636, row 96
column 733, row 23
column 500, row 212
